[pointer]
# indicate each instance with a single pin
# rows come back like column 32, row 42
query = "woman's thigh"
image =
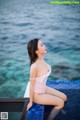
column 55, row 92
column 47, row 99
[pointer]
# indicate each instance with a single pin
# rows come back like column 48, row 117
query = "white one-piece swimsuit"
column 40, row 82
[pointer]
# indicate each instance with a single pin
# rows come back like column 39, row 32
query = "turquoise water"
column 58, row 26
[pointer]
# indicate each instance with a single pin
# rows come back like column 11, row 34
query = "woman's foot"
column 63, row 112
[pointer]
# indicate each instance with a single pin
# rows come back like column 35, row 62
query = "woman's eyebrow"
column 41, row 43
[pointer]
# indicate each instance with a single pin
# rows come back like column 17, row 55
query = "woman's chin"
column 45, row 52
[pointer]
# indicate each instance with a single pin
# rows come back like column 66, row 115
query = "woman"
column 39, row 71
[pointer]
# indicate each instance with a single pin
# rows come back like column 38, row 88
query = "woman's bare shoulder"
column 33, row 70
column 34, row 66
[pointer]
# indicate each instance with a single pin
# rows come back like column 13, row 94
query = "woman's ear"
column 36, row 51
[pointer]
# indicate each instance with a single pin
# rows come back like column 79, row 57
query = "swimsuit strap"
column 42, row 75
column 37, row 70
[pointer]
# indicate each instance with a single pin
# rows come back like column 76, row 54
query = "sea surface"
column 58, row 26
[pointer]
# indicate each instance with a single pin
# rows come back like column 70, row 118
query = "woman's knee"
column 60, row 104
column 65, row 97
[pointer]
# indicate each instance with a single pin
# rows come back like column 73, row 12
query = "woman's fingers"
column 29, row 105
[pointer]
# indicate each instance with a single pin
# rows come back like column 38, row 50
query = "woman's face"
column 41, row 48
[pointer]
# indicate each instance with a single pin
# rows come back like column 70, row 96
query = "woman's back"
column 40, row 82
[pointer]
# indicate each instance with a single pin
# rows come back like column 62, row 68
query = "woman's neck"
column 40, row 58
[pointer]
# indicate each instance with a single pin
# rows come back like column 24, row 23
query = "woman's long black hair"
column 32, row 47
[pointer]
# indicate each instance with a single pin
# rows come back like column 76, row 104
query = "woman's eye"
column 41, row 44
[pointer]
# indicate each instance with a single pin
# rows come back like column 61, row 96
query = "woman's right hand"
column 29, row 105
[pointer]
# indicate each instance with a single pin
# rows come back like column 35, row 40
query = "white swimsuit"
column 40, row 82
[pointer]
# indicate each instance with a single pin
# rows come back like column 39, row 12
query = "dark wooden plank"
column 12, row 104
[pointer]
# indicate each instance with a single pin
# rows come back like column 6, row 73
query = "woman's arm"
column 33, row 72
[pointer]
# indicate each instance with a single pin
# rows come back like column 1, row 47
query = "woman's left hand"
column 29, row 105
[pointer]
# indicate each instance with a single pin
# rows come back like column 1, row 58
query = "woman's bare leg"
column 55, row 92
column 47, row 99
column 53, row 113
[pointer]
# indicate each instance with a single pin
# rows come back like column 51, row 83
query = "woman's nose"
column 45, row 47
